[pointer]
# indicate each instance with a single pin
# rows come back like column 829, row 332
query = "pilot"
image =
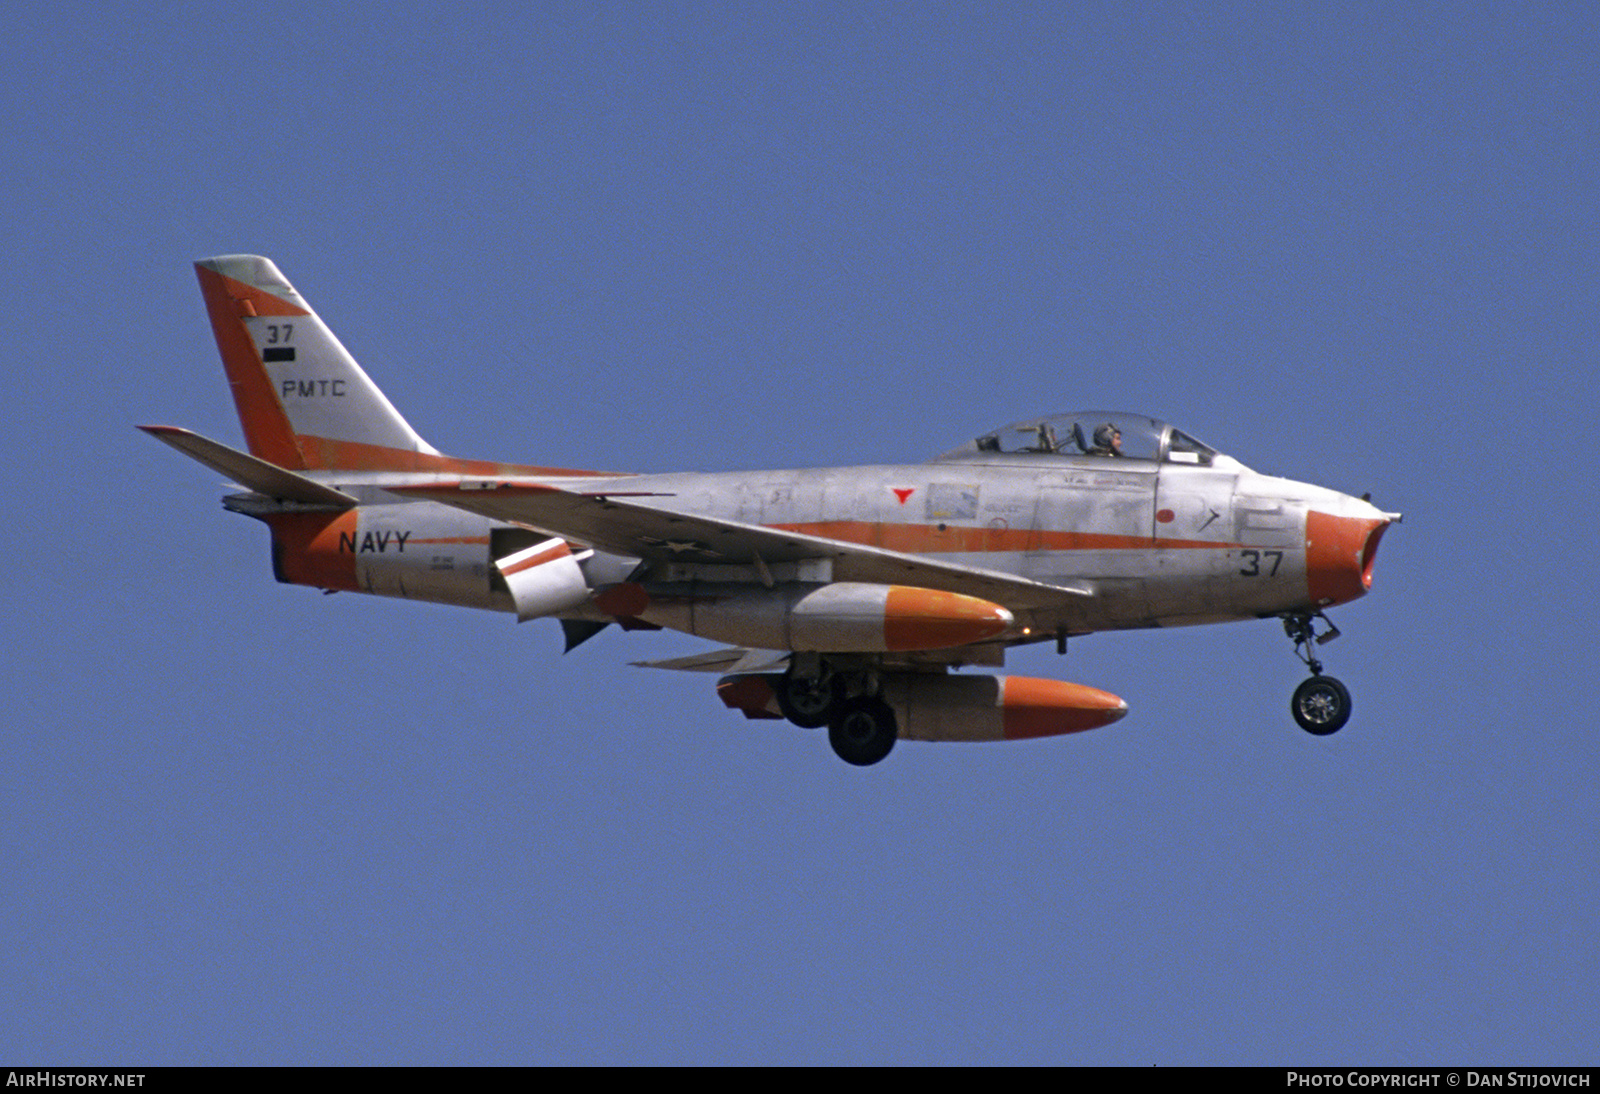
column 1107, row 441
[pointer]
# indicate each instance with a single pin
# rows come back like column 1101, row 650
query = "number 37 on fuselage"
column 848, row 595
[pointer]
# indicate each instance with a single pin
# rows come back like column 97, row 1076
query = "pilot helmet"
column 1104, row 435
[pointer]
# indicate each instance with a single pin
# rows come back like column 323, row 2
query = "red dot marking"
column 1165, row 516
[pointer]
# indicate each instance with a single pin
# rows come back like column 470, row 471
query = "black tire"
column 1321, row 705
column 862, row 730
column 807, row 701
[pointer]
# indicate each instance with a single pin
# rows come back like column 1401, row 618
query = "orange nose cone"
column 927, row 619
column 1340, row 552
column 1048, row 708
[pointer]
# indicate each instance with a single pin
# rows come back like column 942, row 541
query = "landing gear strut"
column 1321, row 705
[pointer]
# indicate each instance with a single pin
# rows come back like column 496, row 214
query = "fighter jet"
column 845, row 597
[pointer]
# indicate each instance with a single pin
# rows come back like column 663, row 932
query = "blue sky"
column 245, row 823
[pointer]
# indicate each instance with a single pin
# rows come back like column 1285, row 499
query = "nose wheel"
column 1321, row 705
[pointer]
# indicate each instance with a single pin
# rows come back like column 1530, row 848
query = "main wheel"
column 862, row 730
column 807, row 701
column 1321, row 705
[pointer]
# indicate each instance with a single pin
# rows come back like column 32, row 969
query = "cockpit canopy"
column 1089, row 434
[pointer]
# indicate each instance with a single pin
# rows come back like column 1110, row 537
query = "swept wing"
column 609, row 523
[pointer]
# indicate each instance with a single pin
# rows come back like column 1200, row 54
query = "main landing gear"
column 1321, row 705
column 861, row 726
column 808, row 699
column 862, row 730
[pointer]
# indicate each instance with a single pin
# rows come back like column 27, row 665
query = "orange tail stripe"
column 266, row 427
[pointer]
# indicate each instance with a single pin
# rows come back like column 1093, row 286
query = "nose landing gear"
column 1321, row 705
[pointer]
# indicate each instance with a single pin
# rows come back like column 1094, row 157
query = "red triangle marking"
column 903, row 492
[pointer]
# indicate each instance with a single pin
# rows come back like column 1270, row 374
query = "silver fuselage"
column 1158, row 544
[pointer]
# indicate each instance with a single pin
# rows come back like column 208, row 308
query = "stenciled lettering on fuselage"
column 373, row 543
column 310, row 389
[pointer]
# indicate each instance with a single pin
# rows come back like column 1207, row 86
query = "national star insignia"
column 678, row 546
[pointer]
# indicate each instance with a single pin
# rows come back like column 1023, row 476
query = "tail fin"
column 303, row 401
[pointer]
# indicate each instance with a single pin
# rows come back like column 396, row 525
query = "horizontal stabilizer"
column 246, row 470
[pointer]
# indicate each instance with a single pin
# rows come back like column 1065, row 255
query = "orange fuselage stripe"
column 932, row 539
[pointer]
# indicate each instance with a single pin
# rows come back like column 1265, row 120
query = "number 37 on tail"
column 844, row 597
